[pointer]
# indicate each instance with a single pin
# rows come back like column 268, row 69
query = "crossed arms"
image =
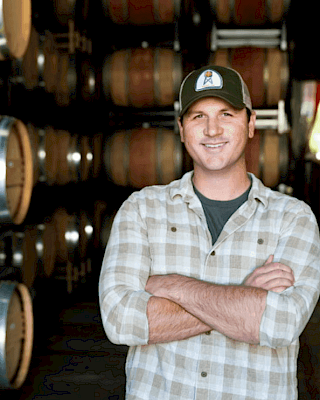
column 183, row 307
column 138, row 308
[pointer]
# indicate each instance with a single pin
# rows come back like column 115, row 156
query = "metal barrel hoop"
column 13, row 376
column 41, row 155
column 17, row 251
column 74, row 157
column 6, row 124
column 72, row 236
column 4, row 48
column 14, row 205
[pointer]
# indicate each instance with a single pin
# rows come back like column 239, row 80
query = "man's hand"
column 272, row 276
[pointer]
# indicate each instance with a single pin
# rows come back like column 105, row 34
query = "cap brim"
column 201, row 95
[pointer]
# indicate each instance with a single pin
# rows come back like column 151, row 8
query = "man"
column 211, row 279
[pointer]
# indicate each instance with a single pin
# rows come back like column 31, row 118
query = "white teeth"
column 213, row 145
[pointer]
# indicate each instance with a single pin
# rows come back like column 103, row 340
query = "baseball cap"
column 214, row 81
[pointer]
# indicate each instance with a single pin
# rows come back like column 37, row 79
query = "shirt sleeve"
column 124, row 273
column 287, row 313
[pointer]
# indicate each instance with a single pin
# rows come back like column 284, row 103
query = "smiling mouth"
column 214, row 146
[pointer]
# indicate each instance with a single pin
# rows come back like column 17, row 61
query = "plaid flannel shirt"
column 163, row 230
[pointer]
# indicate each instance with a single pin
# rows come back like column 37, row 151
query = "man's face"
column 215, row 135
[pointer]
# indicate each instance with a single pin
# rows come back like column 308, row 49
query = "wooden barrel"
column 16, row 326
column 26, row 70
column 15, row 28
column 142, row 157
column 66, row 83
column 37, row 138
column 73, row 235
column 85, row 236
column 250, row 12
column 86, row 151
column 24, row 255
column 16, row 181
column 74, row 157
column 100, row 207
column 265, row 71
column 3, row 254
column 106, row 225
column 45, row 150
column 39, row 65
column 67, row 234
column 142, row 77
column 142, row 12
column 88, row 81
column 60, row 157
column 64, row 10
column 268, row 156
column 97, row 146
column 48, row 246
column 34, row 251
column 43, row 66
column 49, row 144
column 48, row 64
column 69, row 157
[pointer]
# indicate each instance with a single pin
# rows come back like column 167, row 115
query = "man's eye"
column 198, row 116
column 227, row 114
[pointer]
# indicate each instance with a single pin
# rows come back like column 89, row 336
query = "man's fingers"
column 268, row 281
column 269, row 260
column 270, row 276
column 272, row 284
column 268, row 267
column 279, row 289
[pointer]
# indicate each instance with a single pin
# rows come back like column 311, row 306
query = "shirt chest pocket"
column 174, row 248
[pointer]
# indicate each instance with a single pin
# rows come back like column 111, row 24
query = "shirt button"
column 208, row 333
column 203, row 374
column 260, row 241
column 173, row 229
column 213, row 253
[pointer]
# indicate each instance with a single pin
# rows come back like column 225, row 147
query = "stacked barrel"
column 16, row 311
column 48, row 145
column 143, row 80
column 41, row 70
column 140, row 84
column 250, row 37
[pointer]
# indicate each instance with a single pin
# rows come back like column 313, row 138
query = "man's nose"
column 213, row 127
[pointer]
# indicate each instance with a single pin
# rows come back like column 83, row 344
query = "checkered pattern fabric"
column 163, row 230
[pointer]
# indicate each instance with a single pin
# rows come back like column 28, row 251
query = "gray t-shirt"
column 218, row 212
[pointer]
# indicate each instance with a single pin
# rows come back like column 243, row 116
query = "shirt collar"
column 258, row 190
column 184, row 188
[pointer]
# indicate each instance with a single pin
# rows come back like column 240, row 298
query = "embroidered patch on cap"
column 209, row 79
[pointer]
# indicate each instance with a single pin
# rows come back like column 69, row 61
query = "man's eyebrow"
column 194, row 112
column 231, row 108
column 228, row 108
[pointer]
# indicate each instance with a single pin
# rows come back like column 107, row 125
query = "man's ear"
column 180, row 129
column 252, row 124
